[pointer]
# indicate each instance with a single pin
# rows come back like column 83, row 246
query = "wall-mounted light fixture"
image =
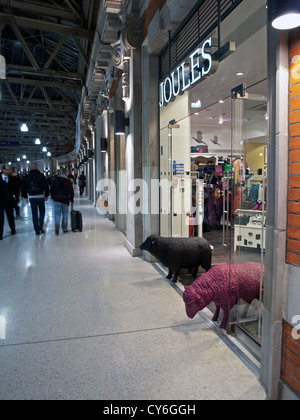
column 120, row 122
column 90, row 153
column 284, row 14
column 103, row 145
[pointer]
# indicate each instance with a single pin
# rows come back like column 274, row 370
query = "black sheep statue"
column 178, row 253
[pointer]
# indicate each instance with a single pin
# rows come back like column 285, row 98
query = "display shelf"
column 248, row 212
column 206, row 156
column 252, row 235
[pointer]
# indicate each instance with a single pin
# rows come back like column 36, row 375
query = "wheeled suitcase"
column 76, row 219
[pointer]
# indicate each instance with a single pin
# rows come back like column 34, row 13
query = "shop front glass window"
column 214, row 144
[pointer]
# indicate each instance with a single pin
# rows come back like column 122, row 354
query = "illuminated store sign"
column 201, row 64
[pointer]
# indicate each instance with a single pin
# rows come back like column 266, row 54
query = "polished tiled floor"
column 81, row 319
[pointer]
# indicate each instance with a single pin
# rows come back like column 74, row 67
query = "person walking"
column 34, row 189
column 8, row 198
column 81, row 182
column 62, row 193
column 17, row 180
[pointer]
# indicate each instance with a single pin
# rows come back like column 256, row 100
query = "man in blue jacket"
column 62, row 193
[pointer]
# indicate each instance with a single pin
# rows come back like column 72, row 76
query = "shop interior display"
column 178, row 253
column 229, row 186
column 250, row 229
column 199, row 138
column 224, row 285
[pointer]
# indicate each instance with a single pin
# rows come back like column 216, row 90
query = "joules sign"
column 188, row 73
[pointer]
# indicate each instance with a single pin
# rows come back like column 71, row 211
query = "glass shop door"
column 247, row 182
column 175, row 181
column 165, row 182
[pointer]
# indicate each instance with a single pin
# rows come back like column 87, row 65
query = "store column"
column 92, row 166
column 100, row 147
column 150, row 145
column 278, row 90
column 88, row 164
column 120, row 170
column 134, row 219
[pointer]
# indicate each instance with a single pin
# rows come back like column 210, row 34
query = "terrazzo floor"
column 80, row 319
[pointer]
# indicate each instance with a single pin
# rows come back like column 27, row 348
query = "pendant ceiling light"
column 284, row 14
column 24, row 128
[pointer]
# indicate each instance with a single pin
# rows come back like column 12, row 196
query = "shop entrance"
column 215, row 163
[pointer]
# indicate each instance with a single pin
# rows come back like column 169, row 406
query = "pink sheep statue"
column 224, row 285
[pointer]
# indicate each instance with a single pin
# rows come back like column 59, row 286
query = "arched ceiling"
column 47, row 47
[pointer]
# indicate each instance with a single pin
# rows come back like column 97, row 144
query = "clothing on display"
column 226, row 188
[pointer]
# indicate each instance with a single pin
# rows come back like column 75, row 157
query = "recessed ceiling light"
column 240, row 73
column 196, row 104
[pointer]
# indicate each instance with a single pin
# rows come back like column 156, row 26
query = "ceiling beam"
column 19, row 69
column 11, row 92
column 80, row 48
column 43, row 25
column 75, row 13
column 35, row 110
column 32, row 93
column 47, row 97
column 40, row 83
column 54, row 52
column 41, row 10
column 24, row 45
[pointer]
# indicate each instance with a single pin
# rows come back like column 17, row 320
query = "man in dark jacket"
column 35, row 189
column 17, row 180
column 8, row 197
column 81, row 182
column 62, row 193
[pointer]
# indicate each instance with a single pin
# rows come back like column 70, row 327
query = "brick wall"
column 293, row 228
column 290, row 372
